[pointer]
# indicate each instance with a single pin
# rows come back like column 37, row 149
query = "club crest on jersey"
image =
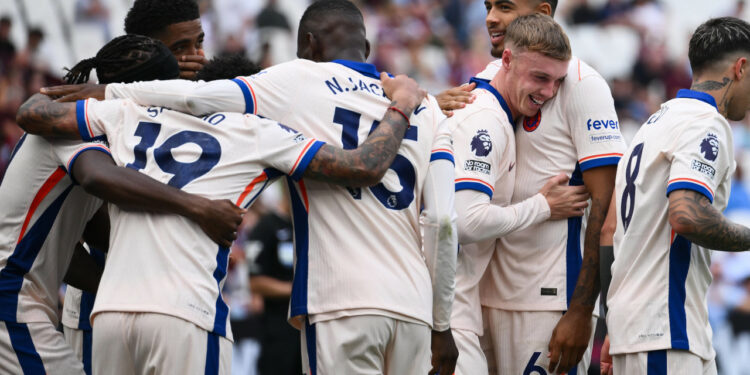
column 531, row 123
column 481, row 144
column 710, row 147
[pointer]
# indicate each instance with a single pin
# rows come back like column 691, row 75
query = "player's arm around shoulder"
column 41, row 115
column 366, row 165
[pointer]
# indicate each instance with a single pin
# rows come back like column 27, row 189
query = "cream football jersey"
column 165, row 263
column 536, row 268
column 358, row 250
column 485, row 154
column 657, row 298
column 43, row 215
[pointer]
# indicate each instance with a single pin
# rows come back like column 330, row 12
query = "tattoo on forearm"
column 40, row 115
column 711, row 85
column 588, row 285
column 707, row 227
column 352, row 167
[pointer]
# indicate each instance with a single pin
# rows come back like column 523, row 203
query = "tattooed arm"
column 692, row 216
column 366, row 165
column 41, row 116
column 571, row 336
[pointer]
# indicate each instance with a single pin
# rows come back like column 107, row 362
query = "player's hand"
column 71, row 93
column 456, row 98
column 190, row 65
column 444, row 353
column 402, row 90
column 564, row 201
column 569, row 341
column 605, row 360
column 219, row 219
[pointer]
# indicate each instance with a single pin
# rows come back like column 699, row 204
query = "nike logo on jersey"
column 419, row 109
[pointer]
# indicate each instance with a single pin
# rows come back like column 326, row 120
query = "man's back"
column 659, row 278
column 180, row 270
column 358, row 250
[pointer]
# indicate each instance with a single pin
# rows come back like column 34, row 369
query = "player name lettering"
column 477, row 166
column 353, row 85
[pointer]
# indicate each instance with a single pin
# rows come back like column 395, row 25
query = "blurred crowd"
column 639, row 46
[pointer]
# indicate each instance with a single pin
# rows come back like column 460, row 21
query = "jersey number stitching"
column 183, row 173
column 407, row 176
column 627, row 205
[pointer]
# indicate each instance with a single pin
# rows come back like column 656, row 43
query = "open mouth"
column 537, row 102
column 496, row 37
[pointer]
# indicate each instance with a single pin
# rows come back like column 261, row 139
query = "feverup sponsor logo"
column 593, row 124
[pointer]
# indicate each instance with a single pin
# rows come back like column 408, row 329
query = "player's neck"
column 719, row 86
column 502, row 89
column 351, row 54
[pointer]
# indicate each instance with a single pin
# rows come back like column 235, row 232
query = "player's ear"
column 544, row 8
column 303, row 47
column 316, row 47
column 740, row 69
column 367, row 49
column 507, row 57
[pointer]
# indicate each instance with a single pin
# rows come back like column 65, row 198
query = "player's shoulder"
column 289, row 69
column 582, row 76
column 692, row 108
column 490, row 70
column 580, row 70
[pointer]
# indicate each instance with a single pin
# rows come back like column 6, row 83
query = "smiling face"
column 500, row 13
column 532, row 78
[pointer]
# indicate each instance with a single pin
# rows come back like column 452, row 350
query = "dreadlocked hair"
column 127, row 58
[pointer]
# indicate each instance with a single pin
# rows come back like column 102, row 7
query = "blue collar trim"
column 702, row 96
column 361, row 67
column 485, row 85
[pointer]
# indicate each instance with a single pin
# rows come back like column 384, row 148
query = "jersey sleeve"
column 97, row 118
column 442, row 141
column 271, row 92
column 474, row 140
column 702, row 158
column 284, row 148
column 67, row 152
column 197, row 98
column 595, row 130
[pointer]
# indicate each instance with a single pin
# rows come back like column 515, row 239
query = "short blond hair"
column 539, row 33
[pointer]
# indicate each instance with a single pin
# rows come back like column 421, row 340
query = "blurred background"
column 639, row 46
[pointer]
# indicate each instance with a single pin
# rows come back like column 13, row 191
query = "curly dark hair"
column 127, row 58
column 227, row 67
column 150, row 17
